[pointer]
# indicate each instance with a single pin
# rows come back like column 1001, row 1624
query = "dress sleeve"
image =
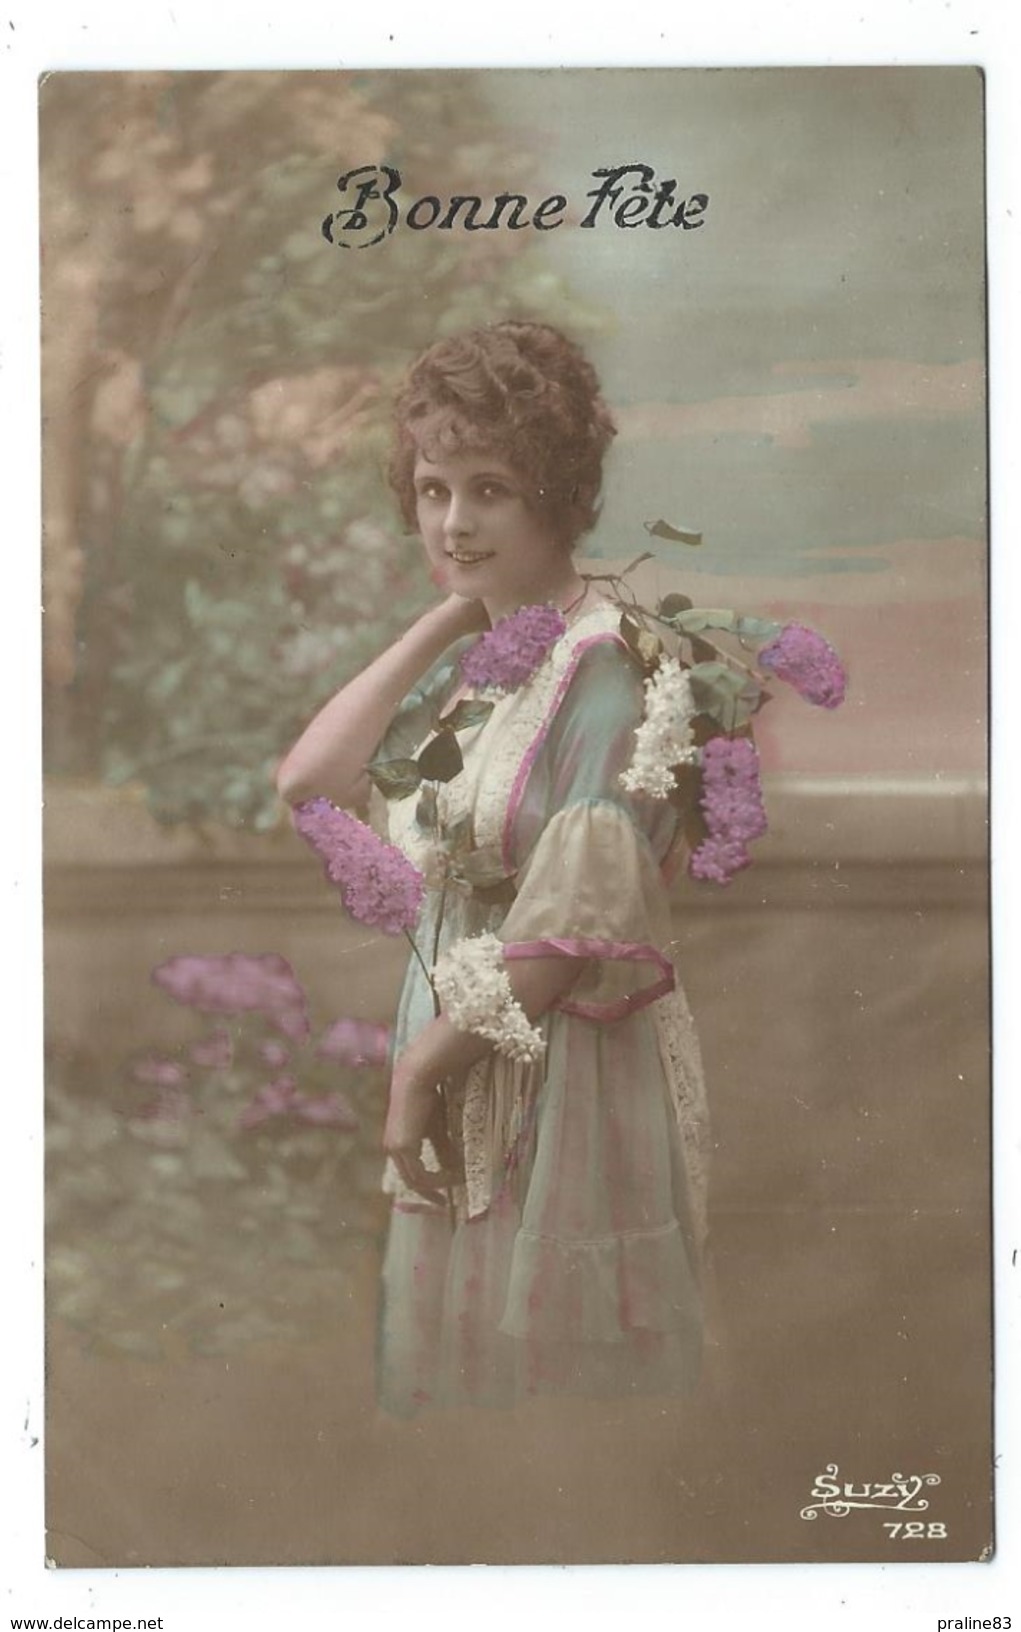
column 590, row 882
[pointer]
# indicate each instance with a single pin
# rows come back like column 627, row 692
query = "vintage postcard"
column 540, row 515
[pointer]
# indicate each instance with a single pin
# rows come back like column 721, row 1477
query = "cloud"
column 909, row 572
column 820, row 393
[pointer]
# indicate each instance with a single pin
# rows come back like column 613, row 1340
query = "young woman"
column 548, row 1207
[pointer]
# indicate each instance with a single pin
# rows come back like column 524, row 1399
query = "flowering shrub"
column 226, row 1193
column 355, row 1042
column 216, row 1050
column 236, row 984
column 223, row 555
column 159, row 1072
column 284, row 1098
column 257, row 992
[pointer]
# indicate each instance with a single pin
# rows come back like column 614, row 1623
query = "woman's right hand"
column 463, row 617
column 415, row 1113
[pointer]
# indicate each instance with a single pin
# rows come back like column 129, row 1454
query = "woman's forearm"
column 441, row 1050
column 330, row 756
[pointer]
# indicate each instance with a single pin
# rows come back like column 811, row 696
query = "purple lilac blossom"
column 731, row 802
column 235, row 984
column 215, row 1052
column 158, row 1070
column 355, row 1042
column 274, row 1053
column 808, row 663
column 379, row 886
column 511, row 652
column 283, row 1098
column 328, row 1111
column 277, row 1098
column 169, row 1105
column 293, row 1023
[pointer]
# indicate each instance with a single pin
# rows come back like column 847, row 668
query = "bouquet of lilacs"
column 694, row 745
column 700, row 700
column 383, row 890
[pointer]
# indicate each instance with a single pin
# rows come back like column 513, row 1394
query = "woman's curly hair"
column 521, row 391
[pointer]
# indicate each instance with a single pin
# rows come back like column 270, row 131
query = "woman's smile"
column 468, row 558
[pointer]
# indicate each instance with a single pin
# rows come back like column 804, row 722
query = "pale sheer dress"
column 571, row 1262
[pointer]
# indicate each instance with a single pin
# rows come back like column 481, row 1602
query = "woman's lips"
column 468, row 558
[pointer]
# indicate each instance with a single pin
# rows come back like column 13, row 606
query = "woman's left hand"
column 415, row 1112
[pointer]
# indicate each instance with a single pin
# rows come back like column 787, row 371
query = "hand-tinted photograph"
column 516, row 876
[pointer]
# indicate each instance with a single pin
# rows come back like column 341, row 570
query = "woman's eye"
column 430, row 490
column 493, row 490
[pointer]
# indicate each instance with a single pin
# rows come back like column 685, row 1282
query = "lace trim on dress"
column 682, row 1062
column 495, row 768
column 496, row 1118
column 525, row 731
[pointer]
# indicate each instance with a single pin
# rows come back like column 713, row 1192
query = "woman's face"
column 483, row 539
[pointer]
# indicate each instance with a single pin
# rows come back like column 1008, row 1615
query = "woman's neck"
column 566, row 592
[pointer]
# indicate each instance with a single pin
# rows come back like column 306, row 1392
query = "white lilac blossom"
column 664, row 738
column 472, row 984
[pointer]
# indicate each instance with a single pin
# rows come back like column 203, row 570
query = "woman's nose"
column 460, row 517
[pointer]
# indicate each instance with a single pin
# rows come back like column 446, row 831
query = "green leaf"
column 469, row 711
column 703, row 617
column 395, row 778
column 718, row 678
column 631, row 630
column 670, row 605
column 440, row 760
column 725, row 695
column 676, row 535
column 647, row 647
column 757, row 629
